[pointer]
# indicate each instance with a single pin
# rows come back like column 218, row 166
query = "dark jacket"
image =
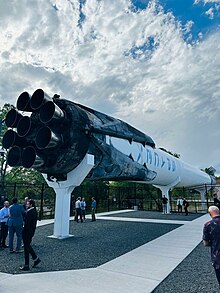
column 30, row 223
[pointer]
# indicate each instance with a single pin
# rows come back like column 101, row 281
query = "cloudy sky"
column 153, row 64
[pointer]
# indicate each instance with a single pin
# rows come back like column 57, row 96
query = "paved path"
column 139, row 270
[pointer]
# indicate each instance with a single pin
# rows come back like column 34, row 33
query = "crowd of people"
column 80, row 209
column 181, row 204
column 19, row 220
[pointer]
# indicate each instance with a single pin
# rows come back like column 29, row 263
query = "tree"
column 171, row 153
column 3, row 153
column 210, row 170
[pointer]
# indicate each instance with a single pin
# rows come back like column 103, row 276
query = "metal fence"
column 109, row 198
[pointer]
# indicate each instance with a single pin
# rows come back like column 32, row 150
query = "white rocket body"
column 167, row 167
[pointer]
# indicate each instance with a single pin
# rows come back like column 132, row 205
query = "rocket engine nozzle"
column 25, row 126
column 50, row 112
column 23, row 102
column 11, row 138
column 30, row 158
column 12, row 118
column 14, row 156
column 46, row 138
column 39, row 98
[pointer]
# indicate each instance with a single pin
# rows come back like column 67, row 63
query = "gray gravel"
column 194, row 275
column 98, row 242
column 94, row 243
column 157, row 215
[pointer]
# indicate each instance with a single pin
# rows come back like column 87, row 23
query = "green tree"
column 210, row 170
column 3, row 153
column 171, row 153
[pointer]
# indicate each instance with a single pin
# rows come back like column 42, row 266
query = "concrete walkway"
column 140, row 270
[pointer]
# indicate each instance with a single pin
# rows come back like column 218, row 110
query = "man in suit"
column 15, row 224
column 30, row 223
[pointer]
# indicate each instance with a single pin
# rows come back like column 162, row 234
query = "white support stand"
column 165, row 191
column 203, row 200
column 63, row 191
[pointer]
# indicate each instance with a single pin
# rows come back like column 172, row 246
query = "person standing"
column 2, row 200
column 26, row 199
column 4, row 215
column 164, row 201
column 216, row 200
column 15, row 224
column 30, row 223
column 211, row 237
column 83, row 208
column 93, row 209
column 186, row 205
column 78, row 210
column 179, row 204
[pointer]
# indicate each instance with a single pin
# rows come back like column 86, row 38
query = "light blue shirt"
column 4, row 212
column 83, row 205
column 94, row 204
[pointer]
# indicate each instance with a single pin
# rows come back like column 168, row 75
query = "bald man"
column 211, row 237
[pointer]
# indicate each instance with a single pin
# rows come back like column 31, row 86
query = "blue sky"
column 187, row 10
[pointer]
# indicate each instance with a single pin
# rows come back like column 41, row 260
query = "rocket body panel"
column 167, row 167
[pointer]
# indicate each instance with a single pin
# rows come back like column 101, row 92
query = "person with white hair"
column 211, row 237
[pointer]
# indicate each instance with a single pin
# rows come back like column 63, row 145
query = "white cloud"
column 206, row 1
column 135, row 66
column 214, row 10
column 210, row 13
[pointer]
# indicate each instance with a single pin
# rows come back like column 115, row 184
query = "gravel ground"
column 194, row 275
column 157, row 215
column 94, row 243
column 98, row 242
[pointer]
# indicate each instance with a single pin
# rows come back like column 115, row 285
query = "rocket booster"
column 167, row 167
column 55, row 135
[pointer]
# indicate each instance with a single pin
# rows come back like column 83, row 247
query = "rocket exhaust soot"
column 59, row 133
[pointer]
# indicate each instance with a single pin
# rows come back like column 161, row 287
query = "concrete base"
column 61, row 237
